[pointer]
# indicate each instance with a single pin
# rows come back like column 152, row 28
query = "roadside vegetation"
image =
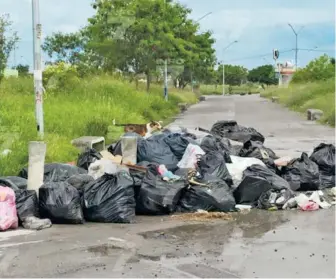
column 311, row 87
column 80, row 107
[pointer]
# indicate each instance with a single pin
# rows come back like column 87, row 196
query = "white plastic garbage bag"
column 189, row 158
column 99, row 167
column 238, row 165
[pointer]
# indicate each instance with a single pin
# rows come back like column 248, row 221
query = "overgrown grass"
column 300, row 97
column 213, row 90
column 81, row 107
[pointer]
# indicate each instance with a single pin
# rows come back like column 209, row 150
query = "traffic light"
column 275, row 54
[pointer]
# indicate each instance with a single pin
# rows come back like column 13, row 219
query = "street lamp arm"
column 290, row 25
column 203, row 17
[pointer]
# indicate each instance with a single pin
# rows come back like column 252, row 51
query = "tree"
column 64, row 47
column 154, row 31
column 8, row 39
column 321, row 68
column 22, row 69
column 234, row 75
column 263, row 74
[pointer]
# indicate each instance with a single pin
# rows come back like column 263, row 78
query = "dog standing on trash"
column 144, row 130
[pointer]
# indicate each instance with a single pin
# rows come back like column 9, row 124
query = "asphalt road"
column 255, row 244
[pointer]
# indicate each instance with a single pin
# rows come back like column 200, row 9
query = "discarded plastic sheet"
column 190, row 156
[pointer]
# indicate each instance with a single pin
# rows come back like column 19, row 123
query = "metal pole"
column 165, row 86
column 191, row 80
column 165, row 90
column 38, row 86
column 223, row 79
column 296, row 50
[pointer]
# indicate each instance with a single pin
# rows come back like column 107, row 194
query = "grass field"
column 300, row 97
column 80, row 107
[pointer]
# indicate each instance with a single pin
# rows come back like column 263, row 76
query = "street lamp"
column 296, row 42
column 224, row 65
column 191, row 72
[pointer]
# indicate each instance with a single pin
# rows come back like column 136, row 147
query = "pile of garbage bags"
column 177, row 170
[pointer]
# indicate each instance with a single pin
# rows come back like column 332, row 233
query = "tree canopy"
column 135, row 37
column 263, row 74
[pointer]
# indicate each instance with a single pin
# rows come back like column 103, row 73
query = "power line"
column 258, row 56
column 318, row 50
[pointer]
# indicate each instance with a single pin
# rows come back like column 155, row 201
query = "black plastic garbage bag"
column 79, row 181
column 110, row 199
column 156, row 150
column 88, row 157
column 156, row 196
column 302, row 174
column 138, row 176
column 177, row 143
column 56, row 172
column 213, row 163
column 257, row 180
column 213, row 143
column 274, row 199
column 257, row 150
column 324, row 156
column 214, row 196
column 230, row 129
column 14, row 182
column 60, row 202
column 26, row 204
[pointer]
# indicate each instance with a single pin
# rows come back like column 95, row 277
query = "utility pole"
column 224, row 65
column 165, row 84
column 296, row 43
column 38, row 86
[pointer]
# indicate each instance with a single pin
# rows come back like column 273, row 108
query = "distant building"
column 285, row 72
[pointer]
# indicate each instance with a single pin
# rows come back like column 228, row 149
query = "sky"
column 259, row 26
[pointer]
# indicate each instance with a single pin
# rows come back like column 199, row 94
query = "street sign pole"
column 38, row 86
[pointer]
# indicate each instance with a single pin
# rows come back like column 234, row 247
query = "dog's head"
column 155, row 125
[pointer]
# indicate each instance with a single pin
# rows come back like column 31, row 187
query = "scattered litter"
column 200, row 173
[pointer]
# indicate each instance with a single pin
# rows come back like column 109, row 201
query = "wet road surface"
column 255, row 244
